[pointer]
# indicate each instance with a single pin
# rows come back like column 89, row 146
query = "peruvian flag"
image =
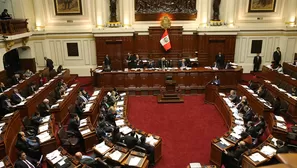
column 165, row 41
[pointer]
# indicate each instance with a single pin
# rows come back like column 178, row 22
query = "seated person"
column 81, row 98
column 281, row 147
column 251, row 129
column 62, row 84
column 73, row 125
column 42, row 80
column 113, row 96
column 182, row 63
column 273, row 65
column 261, row 91
column 2, row 87
column 104, row 103
column 116, row 135
column 116, row 92
column 60, row 69
column 279, row 68
column 25, row 161
column 151, row 64
column 247, row 138
column 16, row 97
column 111, row 115
column 31, row 89
column 216, row 81
column 16, row 79
column 85, row 93
column 252, row 85
column 36, row 119
column 26, row 143
column 236, row 153
column 248, row 115
column 138, row 62
column 163, row 63
column 59, row 92
column 79, row 106
column 110, row 101
column 6, row 105
column 44, row 108
column 233, row 97
column 276, row 106
column 130, row 140
column 87, row 160
column 28, row 73
column 242, row 103
column 149, row 149
column 261, row 124
column 294, row 91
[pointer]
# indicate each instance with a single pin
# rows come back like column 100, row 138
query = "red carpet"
column 186, row 129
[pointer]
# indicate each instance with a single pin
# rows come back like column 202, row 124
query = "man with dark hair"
column 277, row 56
column 130, row 140
column 73, row 125
column 5, row 15
column 49, row 63
column 257, row 62
column 24, row 161
column 220, row 60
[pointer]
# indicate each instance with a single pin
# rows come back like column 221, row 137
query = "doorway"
column 11, row 62
column 114, row 51
column 215, row 46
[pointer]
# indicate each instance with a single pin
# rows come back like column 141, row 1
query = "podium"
column 210, row 91
column 170, row 95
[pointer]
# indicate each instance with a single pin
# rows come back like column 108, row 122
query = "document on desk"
column 22, row 103
column 88, row 107
column 195, row 165
column 274, row 141
column 73, row 85
column 83, row 122
column 280, row 118
column 8, row 115
column 55, row 106
column 239, row 122
column 123, row 94
column 60, row 100
column 54, row 156
column 125, row 130
column 92, row 98
column 69, row 89
column 261, row 100
column 43, row 128
column 2, row 164
column 134, row 161
column 102, row 148
column 2, row 124
column 43, row 137
column 257, row 157
column 96, row 93
column 281, row 125
column 223, row 141
column 250, row 91
column 245, row 86
column 120, row 103
column 86, row 131
column 151, row 140
column 116, row 155
column 268, row 150
column 120, row 122
column 235, row 135
column 29, row 97
column 120, row 108
column 222, row 94
column 46, row 119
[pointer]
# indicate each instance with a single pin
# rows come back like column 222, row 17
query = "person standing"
column 277, row 56
column 49, row 63
column 257, row 62
column 107, row 62
column 220, row 60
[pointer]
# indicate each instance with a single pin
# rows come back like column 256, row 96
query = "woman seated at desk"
column 216, row 81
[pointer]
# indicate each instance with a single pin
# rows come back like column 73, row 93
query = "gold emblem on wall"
column 25, row 41
column 165, row 22
column 8, row 45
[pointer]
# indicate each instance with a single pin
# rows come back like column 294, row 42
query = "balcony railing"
column 13, row 26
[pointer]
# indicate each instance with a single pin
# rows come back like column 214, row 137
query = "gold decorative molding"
column 25, row 41
column 8, row 45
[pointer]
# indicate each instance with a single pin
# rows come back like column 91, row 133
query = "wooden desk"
column 289, row 67
column 205, row 166
column 278, row 166
column 61, row 112
column 247, row 162
column 196, row 78
column 287, row 158
column 7, row 163
column 90, row 138
column 274, row 76
column 143, row 163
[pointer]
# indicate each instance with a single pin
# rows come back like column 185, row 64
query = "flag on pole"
column 165, row 41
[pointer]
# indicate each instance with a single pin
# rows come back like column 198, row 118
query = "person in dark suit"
column 25, row 161
column 220, row 60
column 16, row 79
column 2, row 87
column 31, row 89
column 251, row 129
column 86, row 160
column 252, row 85
column 85, row 93
column 233, row 97
column 151, row 64
column 277, row 56
column 261, row 92
column 79, row 108
column 107, row 62
column 149, row 149
column 276, row 106
column 281, row 147
column 257, row 62
column 138, row 62
column 24, row 142
column 240, row 149
column 294, row 91
column 216, row 81
column 130, row 140
column 60, row 69
column 49, row 63
column 182, row 63
column 163, row 63
column 130, row 60
column 81, row 98
column 111, row 115
column 73, row 125
column 16, row 97
column 116, row 135
column 261, row 124
column 6, row 105
column 36, row 119
column 5, row 15
column 44, row 108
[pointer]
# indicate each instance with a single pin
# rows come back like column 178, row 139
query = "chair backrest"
column 139, row 149
column 71, row 109
column 62, row 133
column 26, row 121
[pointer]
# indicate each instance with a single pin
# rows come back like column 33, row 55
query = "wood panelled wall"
column 149, row 47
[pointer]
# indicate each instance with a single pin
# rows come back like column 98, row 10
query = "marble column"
column 39, row 14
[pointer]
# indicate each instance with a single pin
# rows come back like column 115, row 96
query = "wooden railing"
column 13, row 26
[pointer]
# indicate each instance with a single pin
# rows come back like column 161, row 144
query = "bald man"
column 44, row 108
column 84, row 159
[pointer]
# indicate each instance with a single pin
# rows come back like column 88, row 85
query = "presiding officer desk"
column 193, row 79
column 228, row 140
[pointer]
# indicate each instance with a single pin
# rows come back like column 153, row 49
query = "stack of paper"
column 120, row 122
column 73, row 85
column 123, row 94
column 151, row 140
column 43, row 128
column 8, row 115
column 268, row 150
column 116, row 155
column 120, row 103
column 195, row 165
column 207, row 67
column 55, row 106
column 83, row 122
column 281, row 125
column 274, row 141
column 257, row 157
column 235, row 135
column 43, row 137
column 134, row 161
column 96, row 93
column 88, row 107
column 239, row 122
column 102, row 148
column 245, row 86
column 2, row 164
column 54, row 156
column 22, row 103
column 251, row 91
column 46, row 119
column 239, row 129
column 223, row 141
column 29, row 97
column 69, row 89
column 125, row 130
column 86, row 131
column 280, row 118
column 60, row 100
column 222, row 94
column 92, row 98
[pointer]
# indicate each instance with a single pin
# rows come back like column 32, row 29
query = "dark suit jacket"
column 283, row 149
column 78, row 110
column 220, row 60
column 260, row 126
column 257, row 61
column 277, row 56
column 31, row 90
column 20, row 164
column 237, row 152
column 5, row 107
column 253, row 131
column 130, row 141
column 15, row 98
column 107, row 62
column 89, row 162
column 248, row 116
column 15, row 80
column 277, row 107
column 165, row 63
column 43, row 109
column 180, row 64
column 50, row 64
column 73, row 126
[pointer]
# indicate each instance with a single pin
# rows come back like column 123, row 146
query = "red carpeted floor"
column 186, row 128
